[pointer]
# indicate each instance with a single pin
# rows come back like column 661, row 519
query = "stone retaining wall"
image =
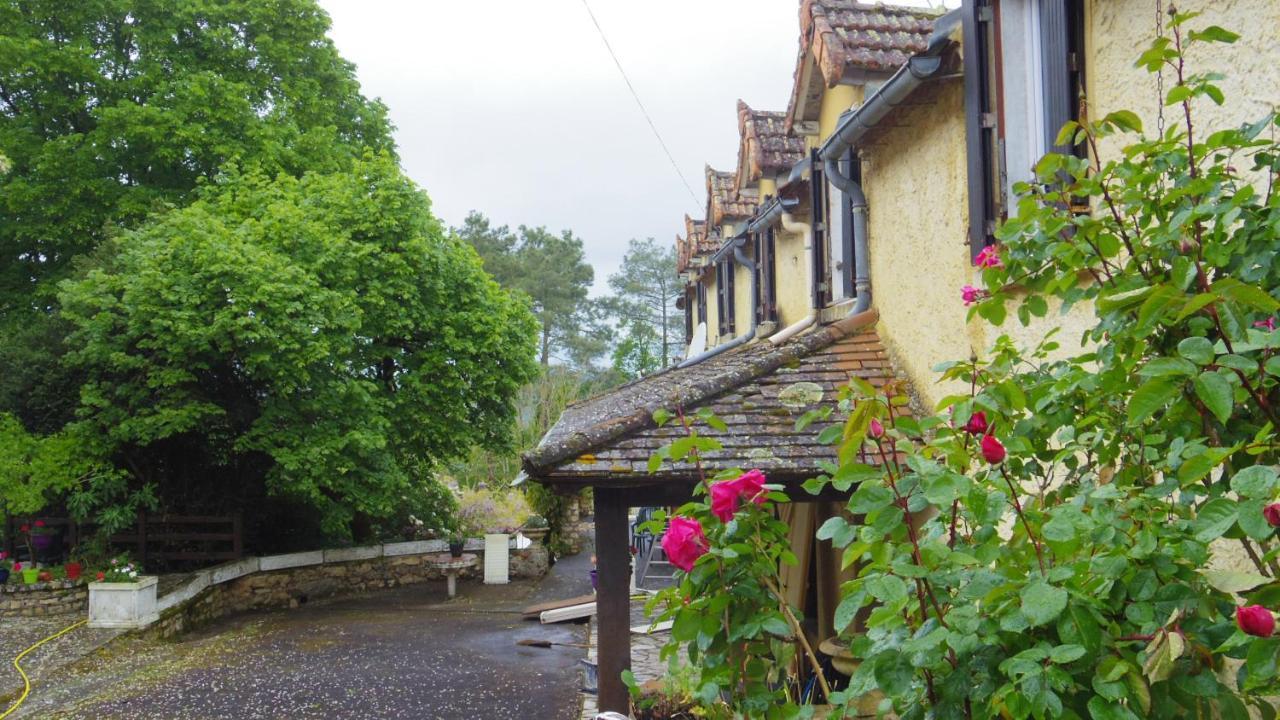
column 59, row 597
column 285, row 581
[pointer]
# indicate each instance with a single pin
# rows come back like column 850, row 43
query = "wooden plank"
column 573, row 612
column 534, row 611
column 613, row 561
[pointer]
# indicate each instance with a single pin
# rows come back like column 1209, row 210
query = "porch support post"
column 613, row 600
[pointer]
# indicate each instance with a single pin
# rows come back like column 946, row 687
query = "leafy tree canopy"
column 320, row 334
column 114, row 108
column 645, row 292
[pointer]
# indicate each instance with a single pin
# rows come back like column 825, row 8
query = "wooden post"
column 613, row 556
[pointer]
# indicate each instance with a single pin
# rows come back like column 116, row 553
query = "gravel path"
column 17, row 634
column 405, row 653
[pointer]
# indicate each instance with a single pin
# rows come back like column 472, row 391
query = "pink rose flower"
column 989, row 257
column 971, row 294
column 684, row 542
column 17, row 567
column 1269, row 324
column 1272, row 514
column 39, row 523
column 1256, row 620
column 726, row 494
column 977, row 424
column 992, row 450
column 876, row 430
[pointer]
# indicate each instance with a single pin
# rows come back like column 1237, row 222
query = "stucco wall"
column 914, row 176
column 743, row 309
column 1119, row 30
column 713, row 309
column 792, row 275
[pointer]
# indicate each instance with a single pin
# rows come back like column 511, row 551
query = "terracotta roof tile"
column 755, row 389
column 693, row 243
column 724, row 201
column 765, row 144
column 844, row 36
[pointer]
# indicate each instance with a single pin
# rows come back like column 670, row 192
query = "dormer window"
column 724, row 296
column 766, row 276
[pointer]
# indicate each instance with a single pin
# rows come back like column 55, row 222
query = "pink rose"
column 684, row 542
column 39, row 523
column 752, row 485
column 1256, row 620
column 726, row 494
column 971, row 294
column 17, row 567
column 977, row 424
column 1272, row 514
column 724, row 499
column 1269, row 324
column 989, row 257
column 876, row 430
column 992, row 450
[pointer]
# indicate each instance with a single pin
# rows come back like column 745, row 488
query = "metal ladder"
column 651, row 560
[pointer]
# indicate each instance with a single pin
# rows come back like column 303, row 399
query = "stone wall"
column 288, row 581
column 59, row 597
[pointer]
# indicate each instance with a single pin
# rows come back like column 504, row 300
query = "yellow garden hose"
column 26, row 682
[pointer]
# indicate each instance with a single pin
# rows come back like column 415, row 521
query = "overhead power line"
column 643, row 111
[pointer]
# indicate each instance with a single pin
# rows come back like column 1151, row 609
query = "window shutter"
column 730, row 295
column 980, row 126
column 1056, row 77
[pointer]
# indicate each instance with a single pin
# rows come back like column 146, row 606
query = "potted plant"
column 30, row 575
column 121, row 597
column 74, row 567
column 457, row 539
column 5, row 567
column 535, row 528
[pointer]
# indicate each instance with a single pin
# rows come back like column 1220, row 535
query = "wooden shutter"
column 980, row 120
column 821, row 281
column 730, row 296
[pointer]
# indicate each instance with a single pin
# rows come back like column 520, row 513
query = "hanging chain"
column 1160, row 72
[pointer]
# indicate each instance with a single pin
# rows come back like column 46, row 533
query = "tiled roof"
column 695, row 242
column 759, row 390
column 724, row 202
column 844, row 36
column 765, row 145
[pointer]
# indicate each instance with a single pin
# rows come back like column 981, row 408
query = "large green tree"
column 644, row 301
column 553, row 272
column 321, row 338
column 113, row 109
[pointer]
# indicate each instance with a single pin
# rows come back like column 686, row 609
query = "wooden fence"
column 163, row 539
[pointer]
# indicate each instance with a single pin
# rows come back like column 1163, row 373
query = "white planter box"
column 123, row 605
column 496, row 558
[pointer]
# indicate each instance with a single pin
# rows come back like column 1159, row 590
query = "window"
column 821, row 278
column 1024, row 79
column 766, row 276
column 690, row 299
column 724, row 296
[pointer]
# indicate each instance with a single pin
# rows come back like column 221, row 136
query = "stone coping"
column 226, row 572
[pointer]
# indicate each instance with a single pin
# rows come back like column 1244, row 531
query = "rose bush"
column 1097, row 539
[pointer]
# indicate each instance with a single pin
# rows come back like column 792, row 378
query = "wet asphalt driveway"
column 404, row 653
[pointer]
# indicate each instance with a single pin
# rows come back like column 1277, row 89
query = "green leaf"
column 1066, row 653
column 1215, row 392
column 1156, row 306
column 1166, row 366
column 775, row 625
column 1125, row 120
column 1214, row 519
column 1255, row 481
column 888, row 589
column 848, row 609
column 1213, row 33
column 1042, row 602
column 661, row 417
column 1234, row 581
column 1196, row 349
column 1152, row 396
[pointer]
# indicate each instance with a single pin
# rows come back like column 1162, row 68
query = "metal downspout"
column 740, row 258
column 861, row 249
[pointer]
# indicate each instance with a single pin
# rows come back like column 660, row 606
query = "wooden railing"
column 153, row 539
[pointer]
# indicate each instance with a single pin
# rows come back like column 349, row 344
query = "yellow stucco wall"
column 1119, row 30
column 914, row 175
column 742, row 299
column 713, row 313
column 792, row 268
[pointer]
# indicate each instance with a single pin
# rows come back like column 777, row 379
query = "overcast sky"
column 514, row 107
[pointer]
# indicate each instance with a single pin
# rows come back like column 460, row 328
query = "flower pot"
column 122, row 605
column 30, row 576
column 497, row 549
column 74, row 569
column 4, row 575
column 595, row 579
column 455, row 548
column 534, row 534
column 41, row 542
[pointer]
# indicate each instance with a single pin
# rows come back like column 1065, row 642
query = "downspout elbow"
column 861, row 250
